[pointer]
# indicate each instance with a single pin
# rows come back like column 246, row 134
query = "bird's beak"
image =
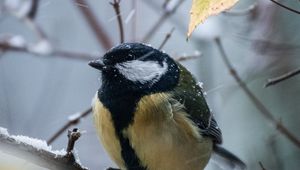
column 97, row 64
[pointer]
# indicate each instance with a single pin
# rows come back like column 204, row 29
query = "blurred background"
column 41, row 88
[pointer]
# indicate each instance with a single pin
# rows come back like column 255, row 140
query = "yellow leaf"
column 201, row 9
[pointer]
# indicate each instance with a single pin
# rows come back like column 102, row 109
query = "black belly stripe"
column 129, row 155
column 122, row 116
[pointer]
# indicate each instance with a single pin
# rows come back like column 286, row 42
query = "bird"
column 150, row 113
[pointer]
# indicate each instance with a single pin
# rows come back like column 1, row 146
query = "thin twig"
column 286, row 7
column 32, row 24
column 73, row 136
column 262, row 166
column 263, row 110
column 271, row 143
column 283, row 77
column 33, row 11
column 56, row 53
column 241, row 12
column 161, row 20
column 167, row 37
column 116, row 5
column 134, row 21
column 190, row 57
column 71, row 122
column 90, row 17
column 156, row 6
column 165, row 4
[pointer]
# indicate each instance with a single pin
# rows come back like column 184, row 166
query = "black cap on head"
column 137, row 67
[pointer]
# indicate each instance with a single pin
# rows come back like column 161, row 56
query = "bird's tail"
column 227, row 158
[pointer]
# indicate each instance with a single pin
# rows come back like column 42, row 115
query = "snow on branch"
column 39, row 153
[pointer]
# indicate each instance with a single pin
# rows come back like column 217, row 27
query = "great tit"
column 151, row 114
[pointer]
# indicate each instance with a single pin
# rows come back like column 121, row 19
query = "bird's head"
column 136, row 68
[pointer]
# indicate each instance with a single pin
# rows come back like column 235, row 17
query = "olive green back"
column 189, row 93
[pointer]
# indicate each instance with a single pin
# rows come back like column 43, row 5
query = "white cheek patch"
column 142, row 71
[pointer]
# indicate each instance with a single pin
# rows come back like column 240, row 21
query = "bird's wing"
column 189, row 93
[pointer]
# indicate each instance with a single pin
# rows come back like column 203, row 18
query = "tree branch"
column 33, row 11
column 189, row 57
column 73, row 120
column 285, row 7
column 116, row 6
column 134, row 21
column 88, row 14
column 283, row 77
column 73, row 136
column 38, row 156
column 5, row 47
column 261, row 166
column 161, row 20
column 263, row 110
column 167, row 37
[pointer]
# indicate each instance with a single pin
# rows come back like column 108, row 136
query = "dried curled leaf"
column 201, row 9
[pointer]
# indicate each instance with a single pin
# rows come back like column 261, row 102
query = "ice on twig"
column 16, row 41
column 74, row 116
column 42, row 47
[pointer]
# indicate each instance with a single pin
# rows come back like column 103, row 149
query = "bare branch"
column 283, row 77
column 73, row 136
column 161, row 20
column 261, row 165
column 35, row 155
column 167, row 37
column 116, row 5
column 188, row 57
column 5, row 47
column 33, row 10
column 285, row 7
column 134, row 21
column 99, row 31
column 156, row 6
column 271, row 143
column 262, row 108
column 166, row 3
column 73, row 121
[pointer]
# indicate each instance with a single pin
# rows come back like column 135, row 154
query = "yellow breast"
column 106, row 132
column 161, row 135
column 164, row 138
